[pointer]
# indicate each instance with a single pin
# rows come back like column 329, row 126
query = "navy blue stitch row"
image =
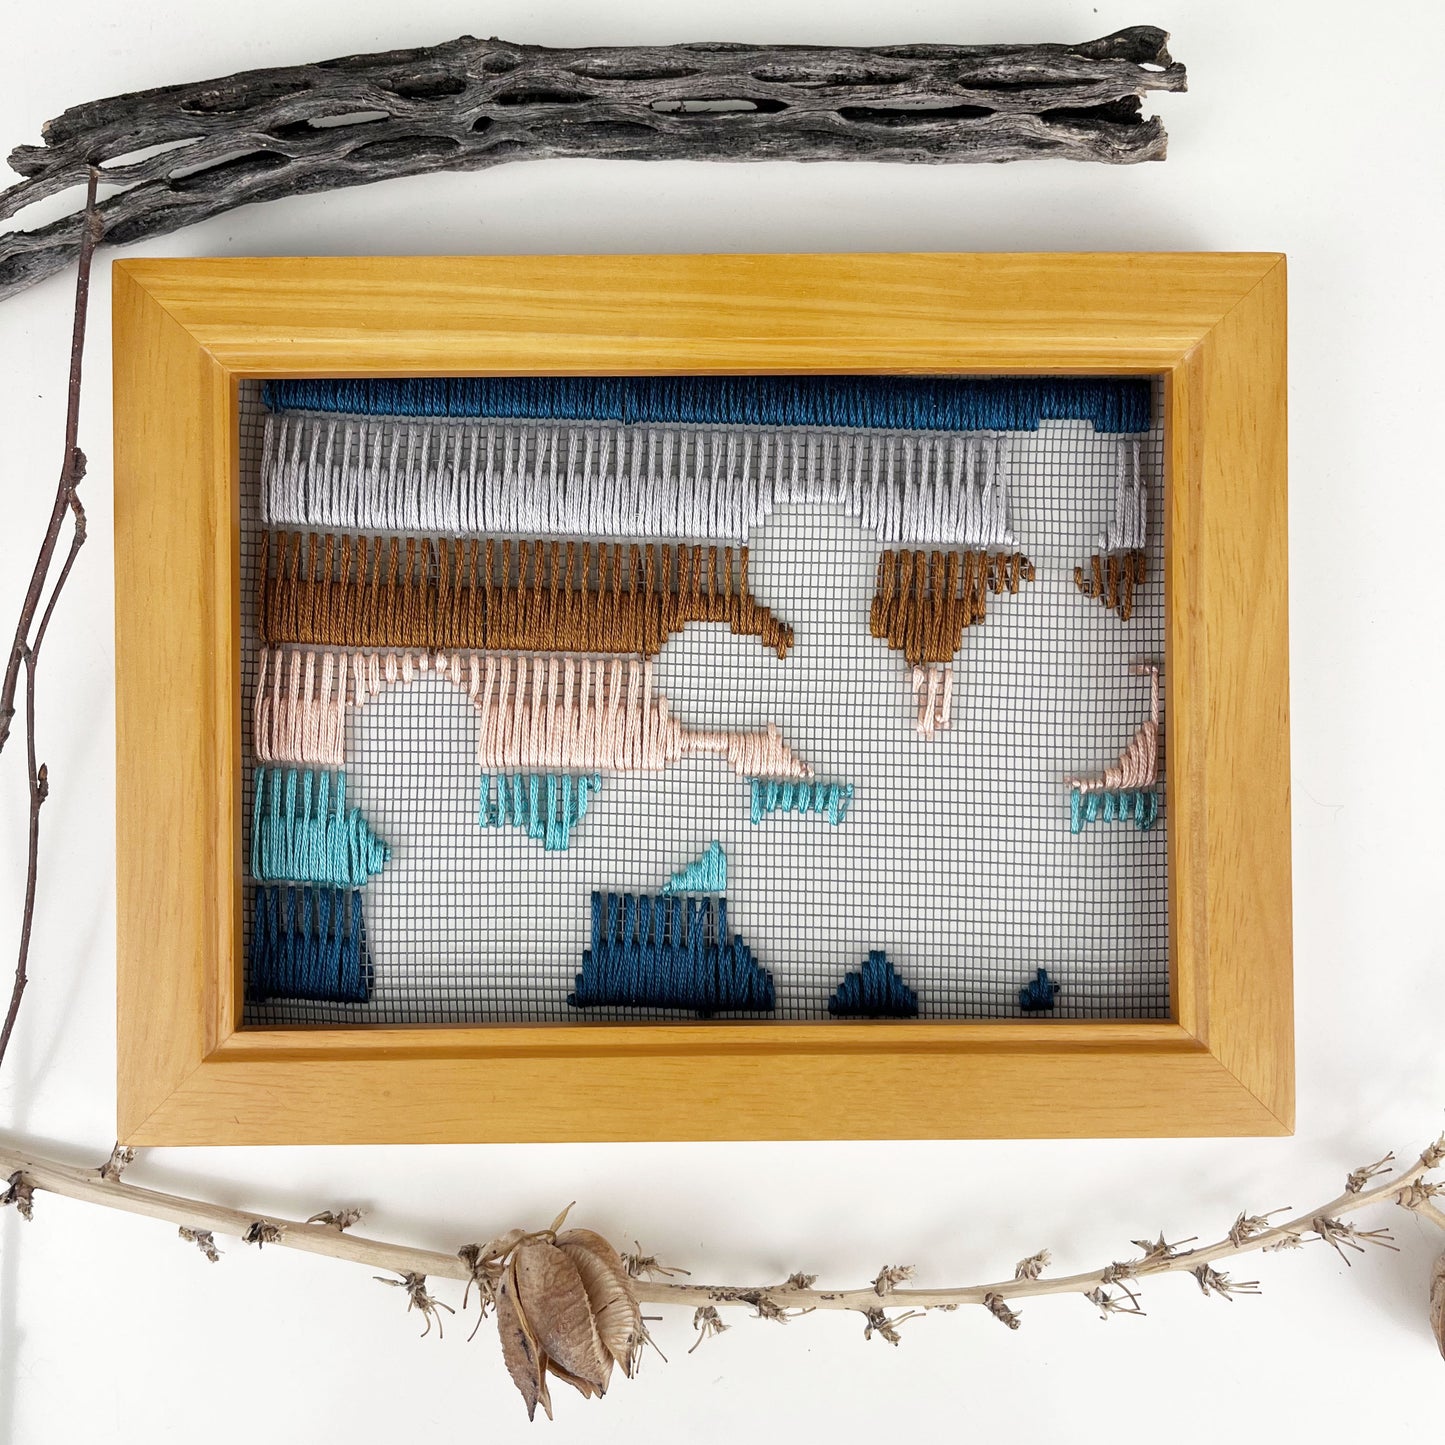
column 875, row 991
column 308, row 943
column 668, row 952
column 913, row 403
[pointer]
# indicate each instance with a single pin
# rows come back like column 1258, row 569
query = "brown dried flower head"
column 566, row 1308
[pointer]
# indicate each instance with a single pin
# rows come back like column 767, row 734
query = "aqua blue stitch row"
column 707, row 873
column 912, row 403
column 547, row 805
column 308, row 943
column 804, row 795
column 1139, row 806
column 671, row 953
column 303, row 832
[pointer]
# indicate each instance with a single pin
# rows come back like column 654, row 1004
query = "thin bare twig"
column 25, row 649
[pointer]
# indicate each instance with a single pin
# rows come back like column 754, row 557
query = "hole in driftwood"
column 350, row 117
column 790, row 75
column 722, row 105
column 628, row 68
column 542, row 97
column 913, row 115
column 227, row 170
column 144, row 153
column 64, row 203
column 404, row 149
column 427, row 87
column 257, row 90
column 1123, row 111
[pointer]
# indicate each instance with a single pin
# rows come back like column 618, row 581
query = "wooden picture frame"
column 188, row 331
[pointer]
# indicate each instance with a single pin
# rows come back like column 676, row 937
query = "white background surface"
column 1312, row 129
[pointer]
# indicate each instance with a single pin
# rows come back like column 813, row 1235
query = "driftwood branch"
column 183, row 153
column 30, row 634
column 30, row 1175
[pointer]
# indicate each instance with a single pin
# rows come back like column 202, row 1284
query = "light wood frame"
column 186, row 332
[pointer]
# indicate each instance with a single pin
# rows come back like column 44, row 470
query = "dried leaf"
column 519, row 1349
column 553, row 1300
column 615, row 1312
column 1437, row 1303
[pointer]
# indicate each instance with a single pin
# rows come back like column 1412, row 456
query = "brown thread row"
column 923, row 600
column 502, row 596
column 1112, row 580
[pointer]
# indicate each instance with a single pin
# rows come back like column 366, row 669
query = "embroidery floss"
column 308, row 943
column 303, row 832
column 522, row 596
column 1119, row 565
column 1125, row 791
column 547, row 805
column 668, row 953
column 611, row 480
column 302, row 719
column 707, row 873
column 874, row 991
column 914, row 403
column 769, row 795
column 1113, row 580
column 1039, row 993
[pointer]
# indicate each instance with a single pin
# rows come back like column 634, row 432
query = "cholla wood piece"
column 923, row 600
column 468, row 104
column 189, row 333
column 523, row 596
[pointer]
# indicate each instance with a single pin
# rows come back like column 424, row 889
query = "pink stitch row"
column 1138, row 765
column 933, row 697
column 301, row 718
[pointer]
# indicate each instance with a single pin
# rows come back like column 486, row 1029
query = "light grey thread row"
column 1128, row 530
column 523, row 477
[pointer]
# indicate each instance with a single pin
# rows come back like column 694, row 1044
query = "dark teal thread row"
column 302, row 831
column 1139, row 806
column 308, row 943
column 874, row 991
column 1039, row 993
column 803, row 795
column 669, row 953
column 547, row 805
column 911, row 403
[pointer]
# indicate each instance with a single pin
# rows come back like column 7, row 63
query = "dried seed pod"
column 551, row 1297
column 609, row 1292
column 520, row 1353
column 1437, row 1303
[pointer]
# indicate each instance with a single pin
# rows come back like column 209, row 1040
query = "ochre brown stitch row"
column 1112, row 579
column 502, row 596
column 924, row 600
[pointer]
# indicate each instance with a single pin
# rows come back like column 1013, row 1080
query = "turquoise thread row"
column 308, row 943
column 1139, row 806
column 303, row 832
column 707, row 873
column 771, row 795
column 671, row 953
column 547, row 805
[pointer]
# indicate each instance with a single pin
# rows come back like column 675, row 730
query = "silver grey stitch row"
column 613, row 480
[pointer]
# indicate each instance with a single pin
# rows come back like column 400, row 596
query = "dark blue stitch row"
column 913, row 403
column 875, row 991
column 1038, row 994
column 308, row 943
column 672, row 953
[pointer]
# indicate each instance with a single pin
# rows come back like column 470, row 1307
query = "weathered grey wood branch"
column 183, row 153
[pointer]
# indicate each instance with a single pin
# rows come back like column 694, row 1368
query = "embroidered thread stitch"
column 359, row 472
column 771, row 796
column 707, row 873
column 939, row 403
column 1126, row 790
column 1039, row 993
column 1113, row 580
column 874, row 991
column 547, row 805
column 303, row 832
column 1118, row 566
column 308, row 943
column 669, row 953
column 527, row 596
